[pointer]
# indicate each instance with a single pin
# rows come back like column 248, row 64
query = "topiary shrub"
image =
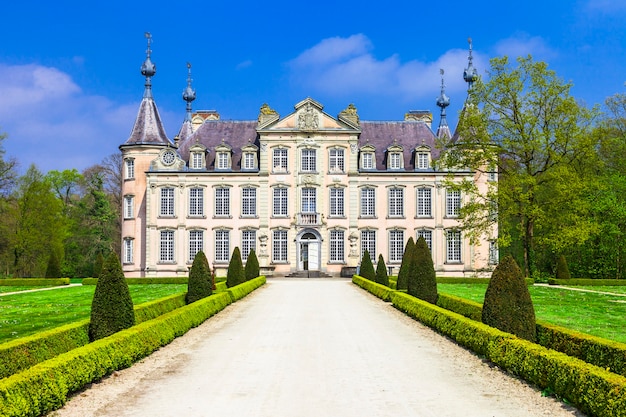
column 53, row 269
column 199, row 284
column 112, row 306
column 562, row 271
column 235, row 274
column 367, row 269
column 97, row 266
column 381, row 272
column 403, row 281
column 252, row 266
column 422, row 281
column 507, row 304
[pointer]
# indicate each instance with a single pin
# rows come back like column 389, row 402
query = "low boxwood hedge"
column 139, row 281
column 588, row 282
column 379, row 290
column 239, row 291
column 34, row 282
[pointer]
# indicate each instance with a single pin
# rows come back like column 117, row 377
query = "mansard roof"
column 148, row 128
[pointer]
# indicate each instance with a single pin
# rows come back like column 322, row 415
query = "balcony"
column 309, row 219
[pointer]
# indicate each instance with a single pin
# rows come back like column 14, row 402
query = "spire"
column 470, row 74
column 189, row 94
column 148, row 69
column 443, row 101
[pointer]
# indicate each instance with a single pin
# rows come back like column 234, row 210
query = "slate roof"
column 148, row 128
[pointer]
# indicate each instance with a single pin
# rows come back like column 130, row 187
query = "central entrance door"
column 309, row 252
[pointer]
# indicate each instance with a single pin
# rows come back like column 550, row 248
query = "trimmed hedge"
column 45, row 387
column 591, row 282
column 591, row 389
column 34, row 282
column 239, row 291
column 22, row 353
column 451, row 280
column 221, row 286
column 139, row 281
column 381, row 291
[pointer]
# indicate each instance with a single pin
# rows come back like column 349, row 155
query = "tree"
column 381, row 272
column 235, row 274
column 112, row 305
column 199, row 284
column 524, row 124
column 252, row 266
column 8, row 167
column 54, row 266
column 403, row 281
column 97, row 266
column 422, row 281
column 508, row 305
column 562, row 272
column 367, row 269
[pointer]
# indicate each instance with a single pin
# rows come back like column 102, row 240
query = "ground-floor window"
column 337, row 246
column 222, row 245
column 428, row 237
column 196, row 243
column 279, row 246
column 368, row 243
column 248, row 243
column 128, row 251
column 166, row 254
column 396, row 245
column 453, row 246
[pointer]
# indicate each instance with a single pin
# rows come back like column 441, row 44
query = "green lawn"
column 10, row 288
column 596, row 314
column 28, row 313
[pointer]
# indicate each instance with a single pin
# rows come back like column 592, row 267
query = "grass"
column 10, row 288
column 28, row 313
column 596, row 314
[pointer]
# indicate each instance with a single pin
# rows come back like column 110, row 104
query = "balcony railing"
column 309, row 219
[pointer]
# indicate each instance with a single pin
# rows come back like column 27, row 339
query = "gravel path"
column 300, row 348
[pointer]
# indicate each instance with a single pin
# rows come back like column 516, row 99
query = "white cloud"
column 606, row 6
column 522, row 45
column 346, row 67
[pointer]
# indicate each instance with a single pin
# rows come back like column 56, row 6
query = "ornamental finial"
column 470, row 75
column 148, row 69
column 189, row 94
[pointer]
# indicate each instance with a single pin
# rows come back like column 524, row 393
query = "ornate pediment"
column 307, row 117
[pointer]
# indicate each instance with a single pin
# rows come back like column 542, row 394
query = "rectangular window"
column 248, row 243
column 279, row 246
column 493, row 252
column 309, row 200
column 396, row 245
column 368, row 160
column 167, row 202
column 222, row 202
column 453, row 203
column 222, row 245
column 196, row 243
column 428, row 237
column 394, row 160
column 128, row 251
column 248, row 160
column 336, row 202
column 336, row 246
column 130, row 169
column 248, row 202
column 396, row 202
column 422, row 160
column 309, row 160
column 166, row 254
column 196, row 160
column 453, row 246
column 280, row 202
column 129, row 203
column 280, row 160
column 336, row 160
column 368, row 202
column 368, row 243
column 196, row 202
column 424, row 202
column 223, row 160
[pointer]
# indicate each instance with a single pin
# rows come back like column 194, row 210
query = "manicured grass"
column 28, row 313
column 596, row 314
column 10, row 288
column 613, row 289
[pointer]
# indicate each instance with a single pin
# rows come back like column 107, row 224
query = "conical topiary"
column 508, row 305
column 252, row 266
column 235, row 274
column 422, row 281
column 381, row 271
column 403, row 281
column 54, row 266
column 367, row 269
column 562, row 271
column 112, row 306
column 199, row 284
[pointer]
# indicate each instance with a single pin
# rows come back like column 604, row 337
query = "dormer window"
column 422, row 157
column 249, row 157
column 395, row 160
column 223, row 154
column 197, row 159
column 368, row 159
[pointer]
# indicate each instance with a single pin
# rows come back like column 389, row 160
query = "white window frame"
column 222, row 246
column 280, row 160
column 308, row 200
column 197, row 160
column 222, row 202
column 248, row 202
column 453, row 246
column 424, row 205
column 279, row 246
column 427, row 235
column 129, row 207
column 423, row 160
column 396, row 245
column 196, row 202
column 337, row 246
column 129, row 169
column 493, row 252
column 280, row 202
column 395, row 202
column 249, row 161
column 336, row 161
column 166, row 246
column 308, row 160
column 395, row 160
column 196, row 243
column 368, row 202
column 337, row 205
column 453, row 203
column 128, row 250
column 167, row 202
column 223, row 161
column 248, row 242
column 368, row 160
column 368, row 242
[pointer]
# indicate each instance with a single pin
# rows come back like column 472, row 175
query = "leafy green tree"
column 252, row 266
column 235, row 274
column 97, row 266
column 508, row 305
column 422, row 281
column 381, row 271
column 199, row 284
column 65, row 185
column 524, row 124
column 54, row 266
column 367, row 269
column 562, row 271
column 8, row 173
column 112, row 305
column 403, row 274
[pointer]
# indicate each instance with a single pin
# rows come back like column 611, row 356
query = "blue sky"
column 70, row 84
